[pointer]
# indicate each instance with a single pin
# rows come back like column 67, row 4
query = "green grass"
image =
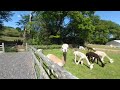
column 110, row 71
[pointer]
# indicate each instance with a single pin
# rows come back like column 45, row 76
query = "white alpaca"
column 102, row 55
column 81, row 47
column 82, row 57
column 65, row 47
column 112, row 46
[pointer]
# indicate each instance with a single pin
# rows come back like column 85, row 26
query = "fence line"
column 49, row 69
column 3, row 48
column 42, row 71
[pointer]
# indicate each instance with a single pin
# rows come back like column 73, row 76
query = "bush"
column 19, row 42
column 32, row 41
column 10, row 49
column 47, row 46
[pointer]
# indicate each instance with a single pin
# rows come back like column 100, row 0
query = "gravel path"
column 16, row 66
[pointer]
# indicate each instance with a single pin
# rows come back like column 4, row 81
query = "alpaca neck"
column 87, row 61
column 108, row 57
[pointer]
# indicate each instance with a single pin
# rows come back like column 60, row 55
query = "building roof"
column 114, row 42
column 117, row 41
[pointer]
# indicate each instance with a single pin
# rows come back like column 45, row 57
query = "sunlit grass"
column 110, row 71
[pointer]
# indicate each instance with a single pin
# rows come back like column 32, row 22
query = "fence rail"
column 48, row 69
column 2, row 48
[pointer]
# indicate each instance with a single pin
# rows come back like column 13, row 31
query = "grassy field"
column 103, row 47
column 110, row 71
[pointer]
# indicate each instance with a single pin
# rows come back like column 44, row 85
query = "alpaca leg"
column 87, row 61
column 93, row 60
column 90, row 65
column 75, row 59
column 89, row 58
column 97, row 60
column 101, row 63
column 102, row 59
column 82, row 63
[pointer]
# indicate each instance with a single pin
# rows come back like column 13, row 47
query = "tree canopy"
column 5, row 16
column 50, row 27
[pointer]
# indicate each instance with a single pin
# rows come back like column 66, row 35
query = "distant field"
column 103, row 47
column 110, row 71
column 6, row 38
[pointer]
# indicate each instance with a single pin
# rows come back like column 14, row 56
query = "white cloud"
column 18, row 16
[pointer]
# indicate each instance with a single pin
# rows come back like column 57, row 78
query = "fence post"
column 3, row 48
column 61, row 72
column 26, row 46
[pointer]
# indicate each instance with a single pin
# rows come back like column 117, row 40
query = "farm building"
column 114, row 43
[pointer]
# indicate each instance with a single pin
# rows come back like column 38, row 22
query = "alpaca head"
column 91, row 66
column 64, row 47
column 111, row 61
column 94, row 49
column 103, row 65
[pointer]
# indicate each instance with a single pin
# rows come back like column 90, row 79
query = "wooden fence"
column 2, row 48
column 46, row 69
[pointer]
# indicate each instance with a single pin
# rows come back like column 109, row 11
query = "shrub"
column 47, row 46
column 10, row 49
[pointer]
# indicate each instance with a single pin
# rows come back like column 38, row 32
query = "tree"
column 5, row 16
column 103, row 30
column 80, row 27
column 114, row 29
column 47, row 27
column 19, row 29
column 24, row 23
column 50, row 25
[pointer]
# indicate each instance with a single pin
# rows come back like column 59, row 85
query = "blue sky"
column 15, row 18
column 105, row 15
column 109, row 15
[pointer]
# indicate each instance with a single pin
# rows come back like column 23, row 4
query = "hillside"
column 9, row 34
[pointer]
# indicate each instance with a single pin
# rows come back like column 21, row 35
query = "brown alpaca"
column 90, row 48
column 56, row 60
column 92, row 55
